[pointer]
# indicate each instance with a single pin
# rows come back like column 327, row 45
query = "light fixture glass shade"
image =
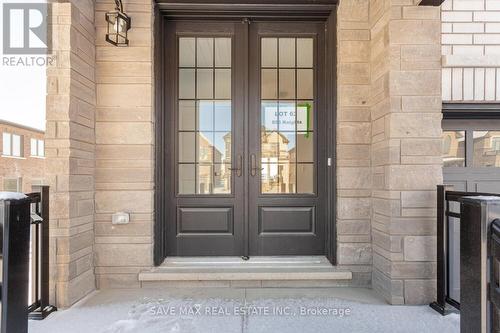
column 118, row 26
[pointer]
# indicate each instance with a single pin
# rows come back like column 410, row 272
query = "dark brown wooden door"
column 247, row 126
column 205, row 109
column 287, row 150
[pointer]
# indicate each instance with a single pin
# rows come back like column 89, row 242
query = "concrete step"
column 235, row 269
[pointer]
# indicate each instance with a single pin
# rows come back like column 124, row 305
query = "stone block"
column 413, row 177
column 419, row 292
column 354, row 253
column 123, row 254
column 353, row 178
column 420, row 248
column 416, row 82
column 415, row 32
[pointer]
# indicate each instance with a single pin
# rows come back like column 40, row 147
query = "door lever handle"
column 239, row 166
column 253, row 165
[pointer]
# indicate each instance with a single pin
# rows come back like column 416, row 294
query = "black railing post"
column 15, row 223
column 475, row 309
column 43, row 257
column 442, row 248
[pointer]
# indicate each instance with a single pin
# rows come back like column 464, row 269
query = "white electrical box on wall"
column 120, row 218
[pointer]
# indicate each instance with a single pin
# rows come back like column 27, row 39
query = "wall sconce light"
column 118, row 25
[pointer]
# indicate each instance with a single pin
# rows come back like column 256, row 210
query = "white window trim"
column 21, row 146
column 37, row 148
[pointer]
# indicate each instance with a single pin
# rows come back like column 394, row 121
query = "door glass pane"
column 205, row 52
column 186, row 83
column 222, row 144
column 222, row 178
column 287, row 125
column 454, row 148
column 205, row 116
column 305, row 183
column 204, row 175
column 205, row 147
column 204, row 123
column 486, row 149
column 286, row 116
column 305, row 147
column 269, row 52
column 222, row 52
column 223, row 83
column 286, row 52
column 305, row 84
column 222, row 114
column 187, row 115
column 286, row 83
column 187, row 179
column 186, row 52
column 269, row 115
column 305, row 52
column 187, row 145
column 205, row 83
column 269, row 84
column 270, row 175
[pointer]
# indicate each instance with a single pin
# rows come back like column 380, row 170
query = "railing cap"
column 12, row 196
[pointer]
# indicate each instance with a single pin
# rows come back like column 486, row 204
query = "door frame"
column 317, row 10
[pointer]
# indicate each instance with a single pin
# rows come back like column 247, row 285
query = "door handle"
column 239, row 166
column 253, row 165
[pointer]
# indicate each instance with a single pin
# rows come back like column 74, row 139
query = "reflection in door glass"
column 486, row 149
column 454, row 149
column 287, row 146
column 204, row 115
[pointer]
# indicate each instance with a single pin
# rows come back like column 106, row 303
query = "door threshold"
column 274, row 268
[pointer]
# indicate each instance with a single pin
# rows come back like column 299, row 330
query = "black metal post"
column 44, row 257
column 442, row 248
column 475, row 309
column 15, row 222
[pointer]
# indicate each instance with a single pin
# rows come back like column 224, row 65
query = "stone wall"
column 354, row 140
column 100, row 147
column 124, row 149
column 70, row 151
column 406, row 148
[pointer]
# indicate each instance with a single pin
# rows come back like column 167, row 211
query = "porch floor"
column 242, row 310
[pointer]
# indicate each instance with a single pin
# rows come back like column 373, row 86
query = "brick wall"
column 70, row 151
column 471, row 50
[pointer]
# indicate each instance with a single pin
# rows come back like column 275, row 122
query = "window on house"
column 12, row 145
column 12, row 184
column 37, row 148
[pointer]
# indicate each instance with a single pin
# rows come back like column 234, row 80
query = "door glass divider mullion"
column 196, row 134
column 278, row 97
column 212, row 171
column 295, row 121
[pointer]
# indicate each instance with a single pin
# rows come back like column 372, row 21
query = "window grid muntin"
column 197, row 131
column 296, row 100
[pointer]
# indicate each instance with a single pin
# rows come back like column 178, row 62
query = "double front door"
column 246, row 121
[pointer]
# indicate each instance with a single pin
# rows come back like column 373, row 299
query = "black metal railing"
column 448, row 208
column 39, row 306
column 24, row 227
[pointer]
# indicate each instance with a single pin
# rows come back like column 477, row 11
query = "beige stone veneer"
column 101, row 141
